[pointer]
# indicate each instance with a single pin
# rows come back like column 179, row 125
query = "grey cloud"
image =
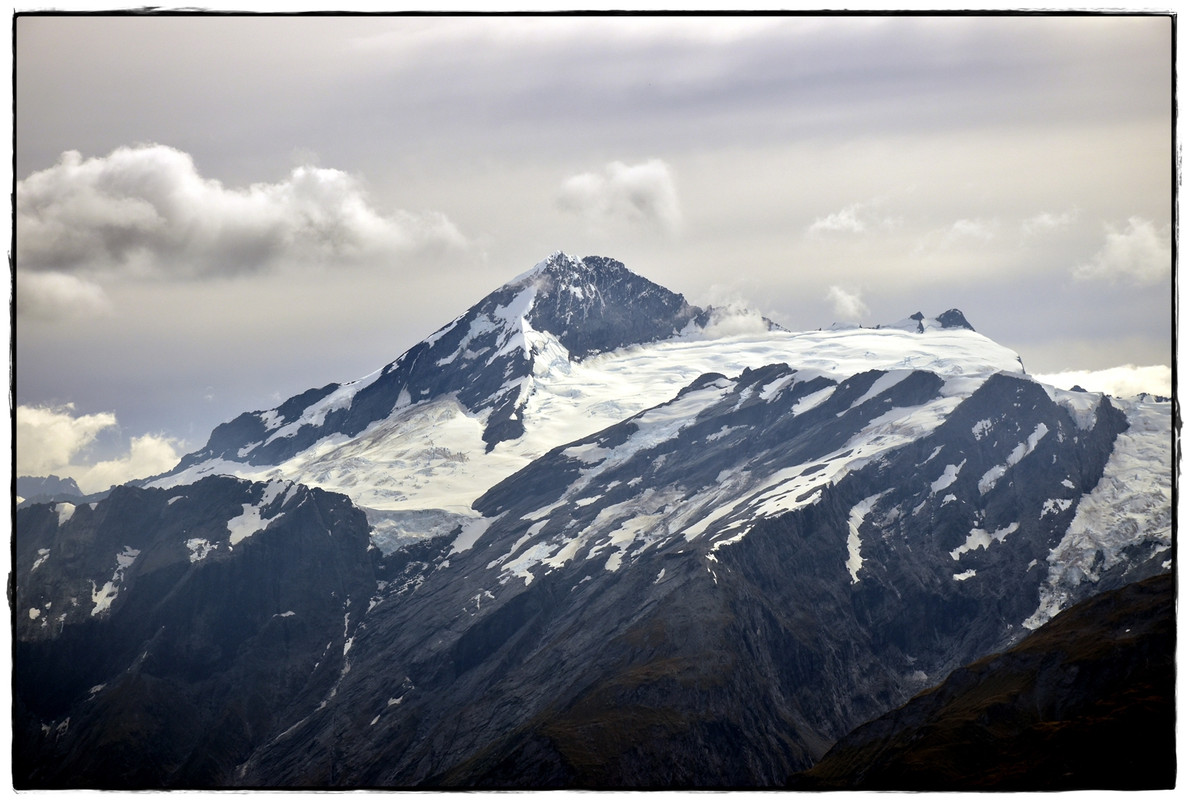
column 56, row 295
column 637, row 194
column 146, row 211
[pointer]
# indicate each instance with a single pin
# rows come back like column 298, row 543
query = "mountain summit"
column 595, row 304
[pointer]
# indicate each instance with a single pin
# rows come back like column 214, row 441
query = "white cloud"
column 1045, row 222
column 983, row 229
column 960, row 234
column 57, row 295
column 640, row 194
column 147, row 455
column 847, row 306
column 854, row 218
column 1139, row 254
column 54, row 440
column 734, row 319
column 846, row 220
column 1124, row 381
column 147, row 211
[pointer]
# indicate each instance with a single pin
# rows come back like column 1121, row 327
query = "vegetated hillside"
column 1085, row 702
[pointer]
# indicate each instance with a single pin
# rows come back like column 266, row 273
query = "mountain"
column 45, row 488
column 1085, row 702
column 587, row 536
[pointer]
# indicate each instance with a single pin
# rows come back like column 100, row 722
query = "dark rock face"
column 953, row 319
column 160, row 653
column 1085, row 702
column 597, row 305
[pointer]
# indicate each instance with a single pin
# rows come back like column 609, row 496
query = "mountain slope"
column 765, row 630
column 1085, row 702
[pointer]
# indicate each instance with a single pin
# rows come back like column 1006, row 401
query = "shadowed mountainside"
column 1087, row 701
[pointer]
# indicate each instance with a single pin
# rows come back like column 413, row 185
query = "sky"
column 214, row 213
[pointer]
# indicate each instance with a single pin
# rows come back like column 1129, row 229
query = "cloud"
column 48, row 438
column 959, row 234
column 847, row 306
column 983, row 229
column 1045, row 222
column 146, row 211
column 734, row 319
column 57, row 295
column 854, row 218
column 147, row 455
column 1124, row 381
column 641, row 194
column 1139, row 254
column 54, row 440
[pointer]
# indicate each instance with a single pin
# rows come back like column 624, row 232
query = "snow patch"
column 947, row 477
column 979, row 538
column 990, row 479
column 103, row 597
column 853, row 541
column 65, row 512
column 1024, row 449
column 246, row 524
column 1055, row 506
column 470, row 533
column 199, row 549
column 882, row 384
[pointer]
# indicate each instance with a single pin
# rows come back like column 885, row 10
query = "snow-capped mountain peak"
column 562, row 310
column 582, row 506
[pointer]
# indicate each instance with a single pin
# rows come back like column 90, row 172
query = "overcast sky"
column 215, row 213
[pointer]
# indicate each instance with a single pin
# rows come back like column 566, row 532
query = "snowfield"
column 430, row 455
